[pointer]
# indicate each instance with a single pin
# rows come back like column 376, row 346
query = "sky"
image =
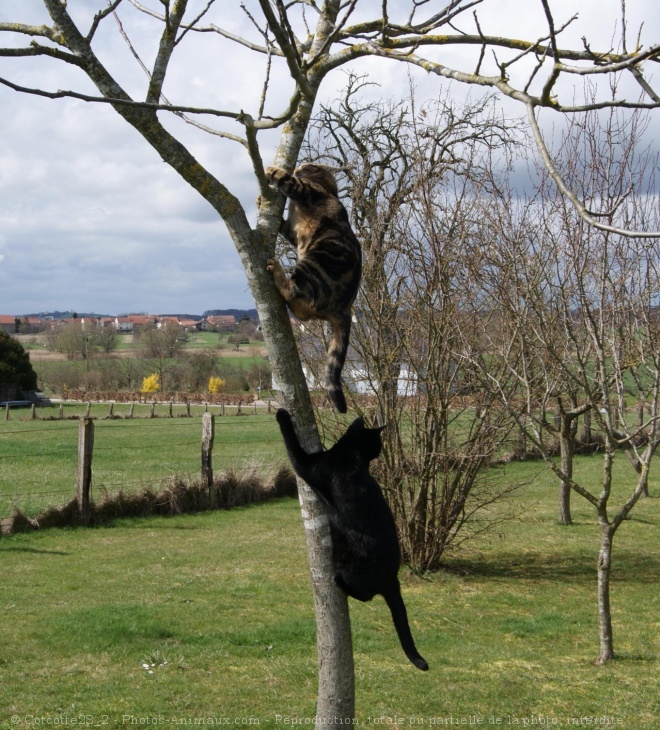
column 92, row 220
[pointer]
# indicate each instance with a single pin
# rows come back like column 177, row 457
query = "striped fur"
column 324, row 283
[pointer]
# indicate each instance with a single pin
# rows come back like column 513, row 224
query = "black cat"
column 365, row 547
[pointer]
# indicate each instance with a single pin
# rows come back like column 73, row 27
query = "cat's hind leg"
column 296, row 300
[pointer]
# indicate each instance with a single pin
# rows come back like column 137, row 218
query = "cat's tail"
column 340, row 330
column 397, row 608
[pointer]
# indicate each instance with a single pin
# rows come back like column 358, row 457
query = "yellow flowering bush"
column 151, row 384
column 215, row 385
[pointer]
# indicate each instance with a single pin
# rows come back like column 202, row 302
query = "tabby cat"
column 325, row 280
column 365, row 547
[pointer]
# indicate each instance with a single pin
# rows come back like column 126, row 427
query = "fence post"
column 6, row 411
column 85, row 451
column 34, row 411
column 208, row 435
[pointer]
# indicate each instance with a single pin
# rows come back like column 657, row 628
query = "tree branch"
column 289, row 51
column 175, row 109
column 568, row 194
column 167, row 43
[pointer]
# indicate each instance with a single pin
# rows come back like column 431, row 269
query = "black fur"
column 365, row 547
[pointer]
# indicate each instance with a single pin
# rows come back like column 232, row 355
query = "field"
column 38, row 459
column 208, row 618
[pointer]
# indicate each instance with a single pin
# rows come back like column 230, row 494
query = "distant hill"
column 180, row 315
column 238, row 313
column 63, row 315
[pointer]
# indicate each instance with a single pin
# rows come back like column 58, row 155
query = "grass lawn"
column 38, row 459
column 185, row 619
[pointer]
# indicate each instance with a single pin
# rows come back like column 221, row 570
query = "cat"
column 324, row 283
column 365, row 547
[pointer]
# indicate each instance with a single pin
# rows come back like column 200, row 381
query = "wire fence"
column 39, row 459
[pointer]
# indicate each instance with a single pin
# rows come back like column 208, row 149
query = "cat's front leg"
column 282, row 281
column 284, row 284
column 276, row 176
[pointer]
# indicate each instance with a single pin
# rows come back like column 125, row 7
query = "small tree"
column 577, row 320
column 410, row 175
column 15, row 365
column 76, row 342
column 107, row 339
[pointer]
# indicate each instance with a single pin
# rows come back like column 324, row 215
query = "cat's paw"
column 275, row 174
column 275, row 266
column 279, row 275
column 283, row 416
column 258, row 201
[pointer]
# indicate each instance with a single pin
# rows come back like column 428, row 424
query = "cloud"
column 90, row 216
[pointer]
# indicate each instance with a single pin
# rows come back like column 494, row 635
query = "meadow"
column 38, row 458
column 208, row 619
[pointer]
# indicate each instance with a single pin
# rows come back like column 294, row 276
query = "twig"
column 568, row 194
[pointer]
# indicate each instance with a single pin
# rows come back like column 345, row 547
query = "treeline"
column 188, row 371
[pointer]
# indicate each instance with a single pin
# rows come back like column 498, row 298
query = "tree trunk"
column 336, row 689
column 604, row 611
column 566, row 455
column 565, row 504
column 587, row 437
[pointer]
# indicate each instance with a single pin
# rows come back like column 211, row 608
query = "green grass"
column 218, row 606
column 38, row 459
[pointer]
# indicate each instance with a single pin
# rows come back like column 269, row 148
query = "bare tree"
column 579, row 319
column 410, row 175
column 76, row 342
column 107, row 338
column 307, row 41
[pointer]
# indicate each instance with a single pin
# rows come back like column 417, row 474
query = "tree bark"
column 566, row 457
column 604, row 610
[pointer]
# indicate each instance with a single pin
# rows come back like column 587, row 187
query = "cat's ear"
column 380, row 429
column 357, row 425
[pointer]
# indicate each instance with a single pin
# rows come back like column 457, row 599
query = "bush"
column 15, row 365
column 151, row 384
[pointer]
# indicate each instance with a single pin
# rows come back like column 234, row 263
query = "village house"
column 8, row 323
column 203, row 325
column 129, row 322
column 223, row 322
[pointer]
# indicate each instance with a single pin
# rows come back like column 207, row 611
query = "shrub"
column 151, row 384
column 215, row 385
column 15, row 366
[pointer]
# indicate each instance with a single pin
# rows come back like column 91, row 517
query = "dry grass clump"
column 177, row 496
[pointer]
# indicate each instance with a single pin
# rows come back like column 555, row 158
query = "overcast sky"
column 91, row 219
